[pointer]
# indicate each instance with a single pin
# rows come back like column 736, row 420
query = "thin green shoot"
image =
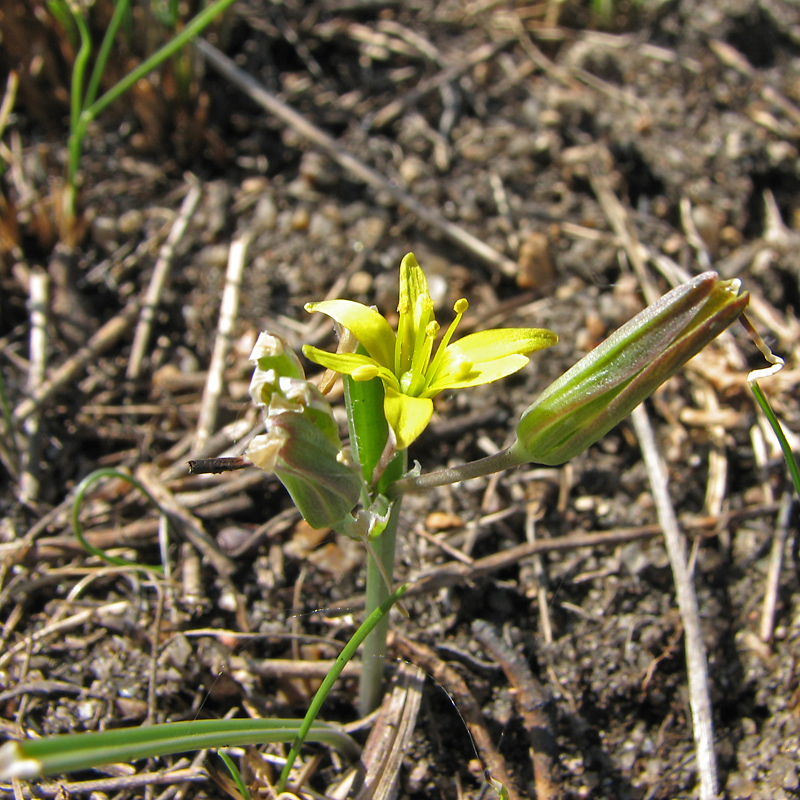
column 120, row 9
column 84, row 109
column 235, row 775
column 777, row 364
column 77, row 526
column 347, row 653
column 71, row 752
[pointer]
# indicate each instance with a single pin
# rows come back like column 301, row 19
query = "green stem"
column 369, row 433
column 788, row 455
column 104, row 52
column 76, row 104
column 77, row 527
column 474, row 469
column 79, row 70
column 374, row 653
column 380, row 614
column 81, row 121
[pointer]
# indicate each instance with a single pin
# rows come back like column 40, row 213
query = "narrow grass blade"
column 76, row 751
column 77, row 527
column 347, row 653
column 776, row 365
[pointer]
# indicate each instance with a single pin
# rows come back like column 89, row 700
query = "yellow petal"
column 347, row 363
column 499, row 342
column 407, row 416
column 367, row 325
column 486, row 372
column 490, row 355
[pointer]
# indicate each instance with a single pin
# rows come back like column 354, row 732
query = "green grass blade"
column 776, row 365
column 788, row 455
column 347, row 653
column 120, row 9
column 80, row 124
column 77, row 526
column 76, row 751
column 236, row 775
column 195, row 26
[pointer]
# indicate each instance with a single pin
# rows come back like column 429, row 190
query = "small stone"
column 319, row 227
column 535, row 266
column 265, row 215
column 130, row 222
column 360, row 283
column 300, row 219
column 412, row 169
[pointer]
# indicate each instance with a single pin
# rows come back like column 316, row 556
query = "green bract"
column 405, row 363
column 301, row 445
column 607, row 384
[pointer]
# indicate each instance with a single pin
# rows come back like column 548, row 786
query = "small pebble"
column 130, row 222
column 265, row 215
column 300, row 219
column 535, row 266
column 360, row 283
column 412, row 169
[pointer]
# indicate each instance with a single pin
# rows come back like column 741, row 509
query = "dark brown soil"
column 686, row 112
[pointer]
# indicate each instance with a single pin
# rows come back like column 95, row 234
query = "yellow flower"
column 405, row 363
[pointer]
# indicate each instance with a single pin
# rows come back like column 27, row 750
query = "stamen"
column 460, row 306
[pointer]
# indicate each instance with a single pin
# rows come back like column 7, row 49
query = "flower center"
column 413, row 380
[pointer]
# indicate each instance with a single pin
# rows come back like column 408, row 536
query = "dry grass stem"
column 696, row 659
column 229, row 308
column 158, row 280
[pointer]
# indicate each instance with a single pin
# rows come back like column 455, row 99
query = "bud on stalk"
column 607, row 384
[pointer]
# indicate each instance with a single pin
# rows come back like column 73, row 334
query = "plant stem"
column 375, row 617
column 103, row 53
column 474, row 469
column 374, row 651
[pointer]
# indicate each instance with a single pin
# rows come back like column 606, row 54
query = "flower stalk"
column 600, row 390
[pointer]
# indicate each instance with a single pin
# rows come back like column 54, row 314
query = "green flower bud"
column 607, row 384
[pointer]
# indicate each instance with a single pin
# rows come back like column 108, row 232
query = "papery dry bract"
column 302, row 445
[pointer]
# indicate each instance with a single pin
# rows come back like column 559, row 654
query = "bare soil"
column 593, row 156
